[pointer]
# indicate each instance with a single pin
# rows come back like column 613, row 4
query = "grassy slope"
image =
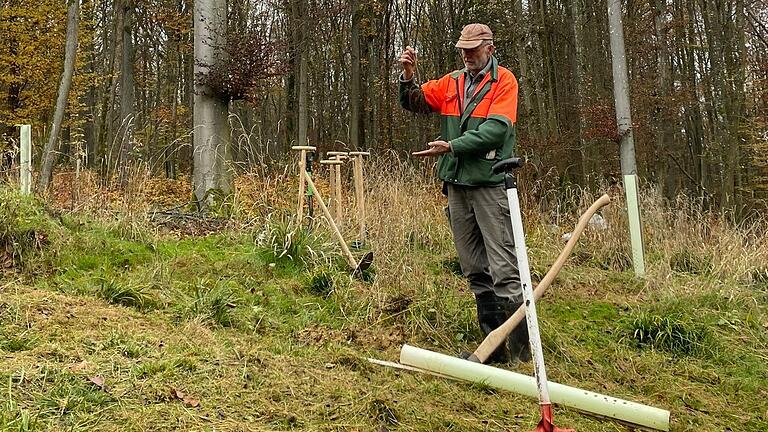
column 266, row 347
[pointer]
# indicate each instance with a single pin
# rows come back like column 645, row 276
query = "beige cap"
column 472, row 35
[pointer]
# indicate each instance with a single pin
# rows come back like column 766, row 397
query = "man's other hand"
column 408, row 62
column 436, row 148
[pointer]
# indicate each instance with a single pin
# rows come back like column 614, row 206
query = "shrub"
column 687, row 261
column 124, row 294
column 321, row 282
column 759, row 277
column 452, row 265
column 214, row 304
column 674, row 333
column 286, row 244
column 25, row 230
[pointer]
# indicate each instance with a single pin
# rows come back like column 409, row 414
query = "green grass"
column 13, row 417
column 268, row 331
column 675, row 333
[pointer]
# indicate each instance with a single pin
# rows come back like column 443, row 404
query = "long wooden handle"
column 338, row 203
column 336, row 232
column 360, row 196
column 302, row 168
column 498, row 336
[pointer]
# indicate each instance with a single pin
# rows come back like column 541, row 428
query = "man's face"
column 475, row 59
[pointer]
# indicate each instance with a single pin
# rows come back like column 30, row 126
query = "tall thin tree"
column 127, row 92
column 70, row 52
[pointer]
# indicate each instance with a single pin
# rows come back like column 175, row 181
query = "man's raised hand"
column 408, row 62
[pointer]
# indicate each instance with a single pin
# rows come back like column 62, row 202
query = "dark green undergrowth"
column 27, row 231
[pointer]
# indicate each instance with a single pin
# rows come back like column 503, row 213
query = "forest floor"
column 117, row 318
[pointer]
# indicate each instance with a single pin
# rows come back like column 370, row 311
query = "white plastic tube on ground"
column 582, row 400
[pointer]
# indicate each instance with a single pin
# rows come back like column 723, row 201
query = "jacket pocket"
column 450, row 105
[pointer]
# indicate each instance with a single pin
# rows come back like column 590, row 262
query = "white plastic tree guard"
column 25, row 173
column 632, row 413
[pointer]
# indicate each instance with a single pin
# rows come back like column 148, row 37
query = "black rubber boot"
column 518, row 343
column 491, row 313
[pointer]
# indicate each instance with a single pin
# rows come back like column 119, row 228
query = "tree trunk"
column 577, row 14
column 212, row 153
column 127, row 93
column 116, row 43
column 665, row 119
column 90, row 108
column 303, row 53
column 540, row 73
column 695, row 124
column 621, row 89
column 733, row 23
column 355, row 85
column 547, row 68
column 70, row 53
column 521, row 38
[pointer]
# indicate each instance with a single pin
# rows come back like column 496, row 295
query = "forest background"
column 123, row 308
column 324, row 72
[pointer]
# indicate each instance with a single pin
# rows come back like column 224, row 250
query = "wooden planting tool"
column 357, row 266
column 499, row 336
column 302, row 167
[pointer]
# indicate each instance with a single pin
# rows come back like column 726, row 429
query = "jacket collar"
column 494, row 70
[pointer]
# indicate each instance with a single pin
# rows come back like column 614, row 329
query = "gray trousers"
column 482, row 233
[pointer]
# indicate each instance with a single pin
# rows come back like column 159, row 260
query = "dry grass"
column 259, row 322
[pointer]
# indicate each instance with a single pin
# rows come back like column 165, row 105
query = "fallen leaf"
column 187, row 400
column 78, row 367
column 98, row 380
column 192, row 403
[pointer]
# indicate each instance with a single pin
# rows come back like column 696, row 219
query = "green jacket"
column 480, row 135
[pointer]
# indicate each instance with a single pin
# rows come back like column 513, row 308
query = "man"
column 478, row 110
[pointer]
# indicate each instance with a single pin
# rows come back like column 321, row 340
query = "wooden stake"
column 332, row 163
column 302, row 167
column 339, row 208
column 360, row 190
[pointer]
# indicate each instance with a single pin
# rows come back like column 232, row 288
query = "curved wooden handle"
column 498, row 336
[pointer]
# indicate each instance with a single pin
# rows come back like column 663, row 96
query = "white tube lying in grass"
column 582, row 400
